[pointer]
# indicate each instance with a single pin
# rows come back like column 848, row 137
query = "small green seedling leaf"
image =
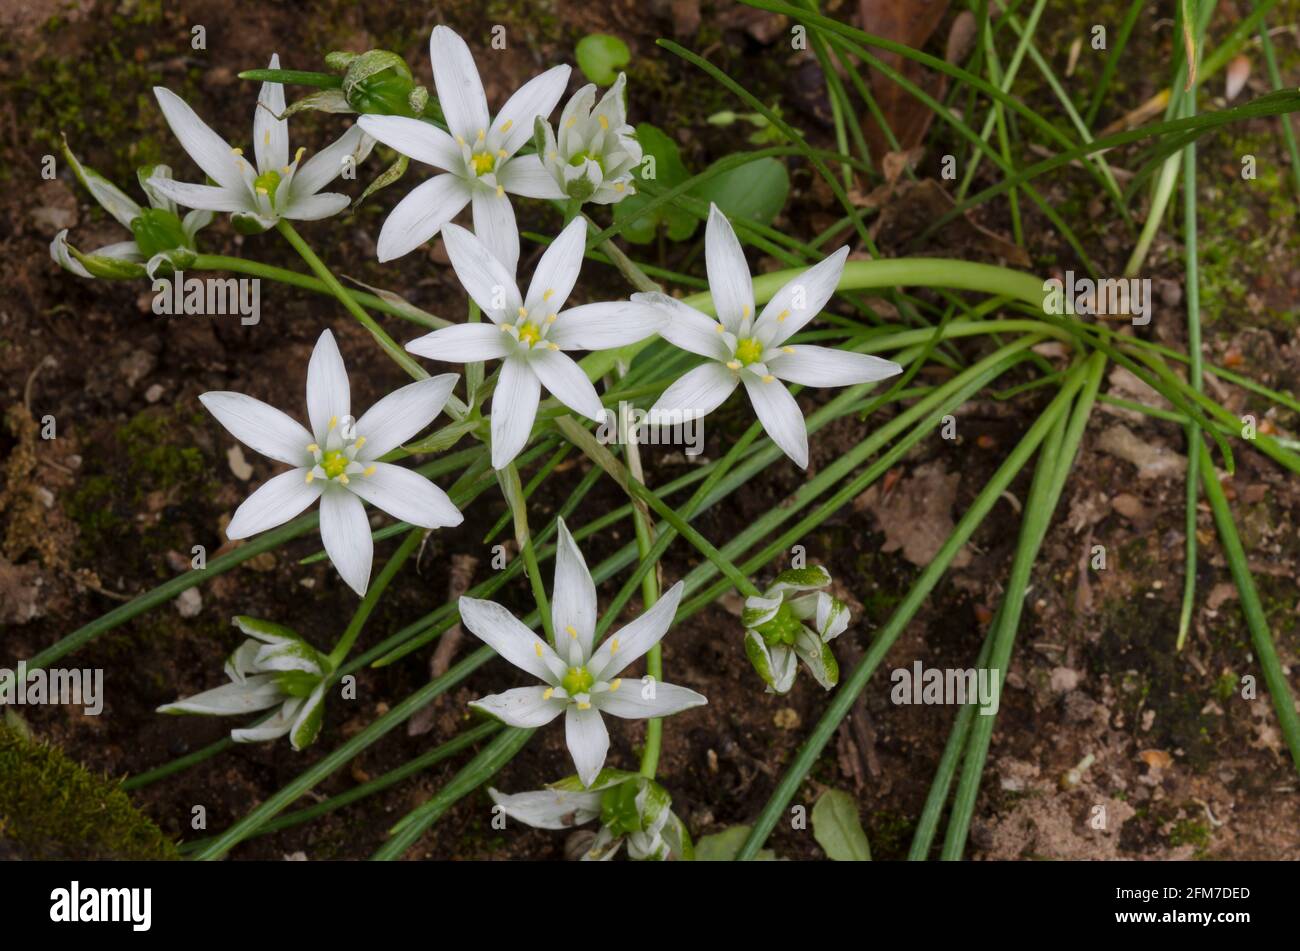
column 662, row 165
column 600, row 57
column 837, row 829
column 723, row 846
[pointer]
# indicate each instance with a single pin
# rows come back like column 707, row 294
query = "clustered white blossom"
column 337, row 460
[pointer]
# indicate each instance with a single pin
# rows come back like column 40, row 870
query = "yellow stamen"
column 343, row 479
column 481, row 134
column 334, row 421
column 284, row 169
column 313, row 448
column 297, row 156
column 266, row 137
column 548, row 294
column 505, row 126
column 523, row 311
column 538, row 647
column 550, row 319
column 548, row 693
column 744, row 311
column 783, row 315
column 237, row 151
column 584, row 705
column 502, row 153
column 370, row 470
column 261, row 190
column 618, row 682
column 768, row 378
column 310, row 476
column 604, row 123
column 787, row 349
column 733, row 364
column 571, row 123
column 552, row 346
column 718, row 328
column 460, row 140
column 619, row 186
column 361, row 441
column 571, row 631
column 613, row 646
column 501, row 190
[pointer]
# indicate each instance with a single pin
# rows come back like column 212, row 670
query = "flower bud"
column 380, row 83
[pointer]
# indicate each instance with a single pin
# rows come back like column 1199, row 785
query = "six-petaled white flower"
column 156, row 229
column 274, row 667
column 787, row 623
column 337, row 462
column 742, row 349
column 578, row 678
column 477, row 156
column 276, row 187
column 593, row 155
column 530, row 334
column 628, row 805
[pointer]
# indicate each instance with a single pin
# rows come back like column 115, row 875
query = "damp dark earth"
column 1064, row 559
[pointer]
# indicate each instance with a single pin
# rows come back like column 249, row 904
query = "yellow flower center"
column 334, row 462
column 483, row 162
column 748, row 350
column 529, row 334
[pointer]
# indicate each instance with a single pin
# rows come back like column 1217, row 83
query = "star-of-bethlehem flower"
column 337, row 461
column 477, row 156
column 595, row 152
column 578, row 678
column 156, row 229
column 786, row 623
column 530, row 334
column 629, row 806
column 274, row 667
column 277, row 187
column 742, row 349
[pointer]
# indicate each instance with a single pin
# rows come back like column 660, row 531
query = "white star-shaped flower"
column 276, row 188
column 593, row 155
column 337, row 461
column 530, row 334
column 477, row 155
column 578, row 678
column 742, row 349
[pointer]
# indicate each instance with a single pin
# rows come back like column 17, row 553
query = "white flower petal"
column 403, row 413
column 826, row 366
column 605, row 326
column 419, row 140
column 420, row 214
column 564, row 380
column 573, row 599
column 203, row 197
column 780, row 416
column 557, row 271
column 549, row 808
column 406, row 495
column 636, row 700
column 522, row 706
column 345, row 532
column 275, row 502
column 329, row 396
column 260, row 427
column 513, row 125
column 699, row 391
column 255, row 693
column 455, row 77
column 316, row 207
column 271, row 133
column 494, row 223
column 619, row 650
column 210, row 151
column 307, row 720
column 272, row 728
column 62, row 255
column 508, row 636
column 514, row 408
column 800, row 300
column 484, row 277
column 588, row 741
column 463, row 343
column 687, row 328
column 729, row 282
column 111, row 198
column 526, row 176
column 327, row 164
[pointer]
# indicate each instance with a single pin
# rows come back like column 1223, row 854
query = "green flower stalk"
column 786, row 623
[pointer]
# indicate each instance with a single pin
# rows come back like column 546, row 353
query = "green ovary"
column 335, row 463
column 157, row 229
column 581, row 157
column 577, row 680
column 749, row 350
column 783, row 628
